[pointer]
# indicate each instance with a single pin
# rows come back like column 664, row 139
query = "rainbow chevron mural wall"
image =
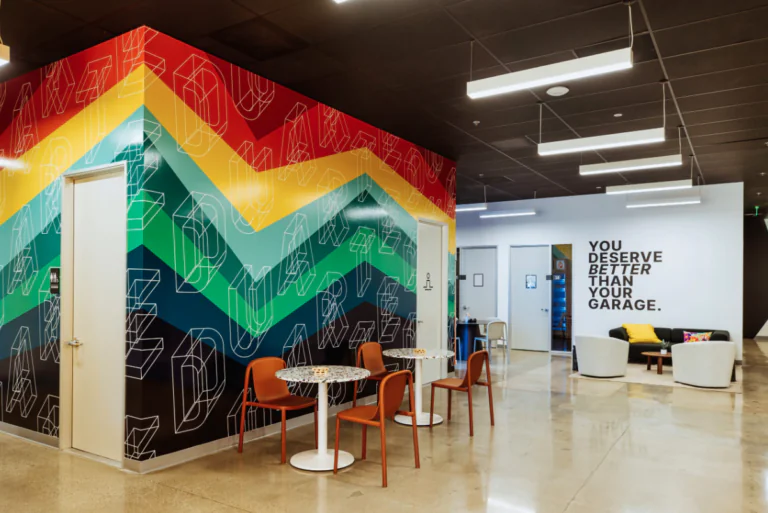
column 260, row 223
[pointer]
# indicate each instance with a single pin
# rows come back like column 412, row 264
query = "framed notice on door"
column 530, row 281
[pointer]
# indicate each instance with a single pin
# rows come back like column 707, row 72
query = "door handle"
column 420, row 322
column 545, row 309
column 74, row 343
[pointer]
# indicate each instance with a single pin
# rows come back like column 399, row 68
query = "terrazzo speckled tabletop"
column 408, row 354
column 336, row 374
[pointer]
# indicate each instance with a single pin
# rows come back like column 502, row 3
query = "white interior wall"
column 698, row 284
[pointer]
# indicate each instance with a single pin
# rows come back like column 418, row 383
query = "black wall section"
column 755, row 275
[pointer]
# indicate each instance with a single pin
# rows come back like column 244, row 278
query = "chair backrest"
column 496, row 330
column 371, row 357
column 391, row 393
column 474, row 367
column 266, row 386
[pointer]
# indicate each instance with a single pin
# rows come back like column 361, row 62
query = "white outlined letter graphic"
column 250, row 310
column 141, row 352
column 199, row 378
column 332, row 322
column 22, row 390
column 298, row 263
column 199, row 250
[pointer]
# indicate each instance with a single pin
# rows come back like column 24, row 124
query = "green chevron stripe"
column 16, row 304
column 342, row 260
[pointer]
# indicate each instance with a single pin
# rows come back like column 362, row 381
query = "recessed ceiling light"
column 762, row 174
column 476, row 122
column 558, row 91
column 618, row 115
column 599, row 187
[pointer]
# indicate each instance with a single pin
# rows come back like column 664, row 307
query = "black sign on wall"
column 612, row 275
column 55, row 275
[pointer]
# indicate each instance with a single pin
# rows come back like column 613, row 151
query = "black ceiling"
column 402, row 65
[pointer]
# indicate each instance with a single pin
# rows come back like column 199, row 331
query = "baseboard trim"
column 29, row 435
column 228, row 443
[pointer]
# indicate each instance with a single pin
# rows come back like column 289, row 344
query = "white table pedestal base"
column 422, row 419
column 321, row 459
column 316, row 462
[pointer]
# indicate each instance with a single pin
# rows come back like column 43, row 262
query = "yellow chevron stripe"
column 210, row 152
column 72, row 142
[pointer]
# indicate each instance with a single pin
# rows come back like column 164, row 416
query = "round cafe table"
column 422, row 417
column 320, row 459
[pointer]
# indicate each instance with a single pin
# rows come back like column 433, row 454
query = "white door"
column 99, row 313
column 429, row 296
column 530, row 299
column 478, row 289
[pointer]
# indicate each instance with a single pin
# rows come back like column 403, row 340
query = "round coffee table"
column 659, row 359
column 321, row 459
column 422, row 417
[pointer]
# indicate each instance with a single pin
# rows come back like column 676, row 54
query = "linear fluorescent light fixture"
column 631, row 165
column 5, row 54
column 471, row 208
column 664, row 203
column 551, row 74
column 650, row 187
column 514, row 213
column 603, row 142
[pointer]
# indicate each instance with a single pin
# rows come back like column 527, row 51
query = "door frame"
column 67, row 298
column 496, row 266
column 509, row 299
column 444, row 278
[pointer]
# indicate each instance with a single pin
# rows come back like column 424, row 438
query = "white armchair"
column 704, row 364
column 602, row 357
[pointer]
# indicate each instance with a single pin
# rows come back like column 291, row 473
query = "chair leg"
column 449, row 403
column 384, row 455
column 431, row 409
column 471, row 424
column 336, row 448
column 354, row 394
column 315, row 426
column 490, row 403
column 365, row 441
column 242, row 425
column 416, row 441
column 282, row 436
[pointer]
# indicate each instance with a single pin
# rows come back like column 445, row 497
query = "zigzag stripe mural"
column 260, row 223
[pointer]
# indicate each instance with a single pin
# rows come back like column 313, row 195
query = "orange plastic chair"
column 272, row 393
column 471, row 378
column 391, row 393
column 372, row 358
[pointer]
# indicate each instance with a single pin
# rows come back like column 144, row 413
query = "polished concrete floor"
column 559, row 445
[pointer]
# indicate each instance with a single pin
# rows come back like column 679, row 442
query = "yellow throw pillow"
column 640, row 333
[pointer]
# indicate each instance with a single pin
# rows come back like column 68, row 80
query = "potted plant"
column 665, row 347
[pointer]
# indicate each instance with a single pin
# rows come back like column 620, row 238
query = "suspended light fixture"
column 583, row 67
column 631, row 165
column 604, row 142
column 550, row 74
column 472, row 208
column 510, row 213
column 637, row 188
column 636, row 164
column 664, row 203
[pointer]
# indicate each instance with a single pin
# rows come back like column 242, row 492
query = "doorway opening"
column 562, row 290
